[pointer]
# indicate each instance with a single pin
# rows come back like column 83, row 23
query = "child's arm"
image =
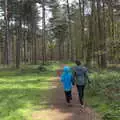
column 62, row 78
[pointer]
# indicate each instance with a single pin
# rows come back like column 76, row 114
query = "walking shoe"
column 70, row 98
column 82, row 106
column 70, row 105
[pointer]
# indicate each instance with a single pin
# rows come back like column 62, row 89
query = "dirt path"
column 58, row 110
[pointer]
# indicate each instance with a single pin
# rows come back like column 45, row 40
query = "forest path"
column 58, row 110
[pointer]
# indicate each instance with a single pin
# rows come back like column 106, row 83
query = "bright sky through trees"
column 48, row 13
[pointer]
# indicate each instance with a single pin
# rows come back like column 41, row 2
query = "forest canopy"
column 42, row 30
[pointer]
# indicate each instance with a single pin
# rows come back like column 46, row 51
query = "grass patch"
column 104, row 94
column 23, row 90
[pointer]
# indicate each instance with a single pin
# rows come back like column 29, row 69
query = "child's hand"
column 58, row 78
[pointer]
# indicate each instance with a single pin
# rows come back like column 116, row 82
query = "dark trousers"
column 68, row 96
column 80, row 89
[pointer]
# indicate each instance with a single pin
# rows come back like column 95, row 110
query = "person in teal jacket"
column 67, row 81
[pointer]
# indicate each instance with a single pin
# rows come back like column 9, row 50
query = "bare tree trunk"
column 103, row 47
column 63, row 51
column 32, row 42
column 79, row 44
column 6, row 33
column 59, row 49
column 35, row 48
column 99, row 32
column 70, row 45
column 89, row 42
column 43, row 33
column 51, row 54
column 18, row 41
column 82, row 30
column 93, row 32
column 18, row 45
column 24, row 34
column 111, row 28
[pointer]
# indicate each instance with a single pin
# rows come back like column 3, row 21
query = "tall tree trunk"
column 70, row 44
column 32, row 45
column 6, row 33
column 51, row 54
column 35, row 48
column 18, row 41
column 24, row 38
column 79, row 44
column 59, row 49
column 111, row 28
column 103, row 47
column 89, row 42
column 82, row 31
column 99, row 32
column 18, row 44
column 93, row 31
column 43, row 33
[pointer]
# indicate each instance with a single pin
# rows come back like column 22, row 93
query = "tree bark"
column 6, row 33
column 18, row 44
column 43, row 34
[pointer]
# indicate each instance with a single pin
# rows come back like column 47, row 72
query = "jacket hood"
column 66, row 69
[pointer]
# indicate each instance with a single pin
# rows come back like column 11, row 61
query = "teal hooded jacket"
column 67, row 78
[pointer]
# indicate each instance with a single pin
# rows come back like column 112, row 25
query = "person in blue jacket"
column 67, row 81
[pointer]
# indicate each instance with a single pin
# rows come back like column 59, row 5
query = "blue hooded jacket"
column 67, row 78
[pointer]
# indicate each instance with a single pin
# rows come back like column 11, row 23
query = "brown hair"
column 78, row 62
